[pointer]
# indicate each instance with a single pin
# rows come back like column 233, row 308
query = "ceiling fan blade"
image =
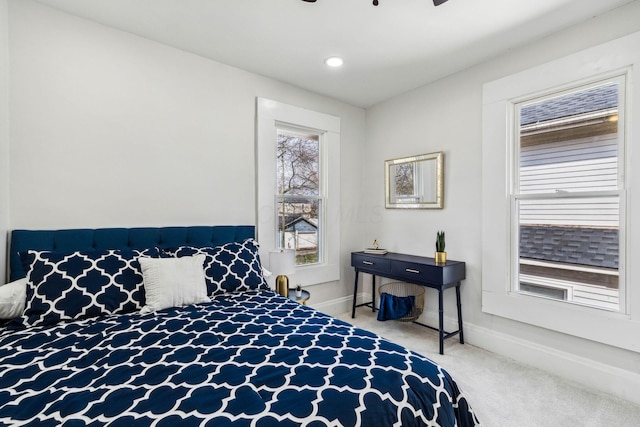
column 310, row 1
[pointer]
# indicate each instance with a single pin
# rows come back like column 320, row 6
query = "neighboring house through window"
column 566, row 195
column 299, row 196
column 559, row 195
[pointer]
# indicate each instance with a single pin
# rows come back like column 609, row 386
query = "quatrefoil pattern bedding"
column 232, row 267
column 246, row 359
column 68, row 286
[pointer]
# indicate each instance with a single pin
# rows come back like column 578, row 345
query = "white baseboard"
column 334, row 307
column 340, row 305
column 594, row 375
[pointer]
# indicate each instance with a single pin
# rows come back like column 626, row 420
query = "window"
column 299, row 196
column 559, row 195
column 298, row 180
column 566, row 194
column 408, row 186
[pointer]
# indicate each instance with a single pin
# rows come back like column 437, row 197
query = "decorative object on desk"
column 298, row 291
column 282, row 262
column 375, row 249
column 401, row 301
column 441, row 255
column 378, row 251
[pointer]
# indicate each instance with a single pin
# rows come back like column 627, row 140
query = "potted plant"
column 441, row 255
column 298, row 291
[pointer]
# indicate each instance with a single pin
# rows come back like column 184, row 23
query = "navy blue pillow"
column 77, row 285
column 232, row 267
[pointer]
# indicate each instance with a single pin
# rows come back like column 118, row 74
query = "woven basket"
column 402, row 289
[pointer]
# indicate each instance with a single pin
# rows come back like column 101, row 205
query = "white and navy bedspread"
column 250, row 359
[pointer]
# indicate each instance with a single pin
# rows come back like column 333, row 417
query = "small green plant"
column 299, row 287
column 440, row 241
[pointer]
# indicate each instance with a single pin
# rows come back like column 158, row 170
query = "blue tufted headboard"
column 120, row 238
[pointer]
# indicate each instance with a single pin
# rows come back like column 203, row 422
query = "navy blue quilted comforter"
column 252, row 359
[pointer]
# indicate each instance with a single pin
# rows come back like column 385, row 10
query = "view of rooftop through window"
column 298, row 199
column 567, row 196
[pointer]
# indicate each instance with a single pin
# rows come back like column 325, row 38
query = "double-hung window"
column 559, row 195
column 567, row 185
column 299, row 195
column 298, row 183
column 408, row 186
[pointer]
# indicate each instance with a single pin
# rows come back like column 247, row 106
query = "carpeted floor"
column 502, row 392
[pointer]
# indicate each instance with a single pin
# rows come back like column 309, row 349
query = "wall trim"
column 608, row 61
column 337, row 306
column 600, row 378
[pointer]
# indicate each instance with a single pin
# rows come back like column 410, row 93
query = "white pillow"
column 173, row 282
column 13, row 297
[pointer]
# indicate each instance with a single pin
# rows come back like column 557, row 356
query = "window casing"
column 617, row 58
column 565, row 195
column 307, row 206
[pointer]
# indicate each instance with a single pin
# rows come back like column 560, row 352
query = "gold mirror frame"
column 415, row 182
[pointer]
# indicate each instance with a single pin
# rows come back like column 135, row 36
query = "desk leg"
column 459, row 313
column 373, row 291
column 441, row 320
column 355, row 294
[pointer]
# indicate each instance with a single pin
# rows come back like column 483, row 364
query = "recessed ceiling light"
column 334, row 61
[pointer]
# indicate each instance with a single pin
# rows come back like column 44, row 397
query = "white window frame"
column 272, row 115
column 620, row 192
column 418, row 187
column 618, row 57
column 320, row 197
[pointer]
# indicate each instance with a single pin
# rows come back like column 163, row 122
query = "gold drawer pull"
column 409, row 270
column 367, row 262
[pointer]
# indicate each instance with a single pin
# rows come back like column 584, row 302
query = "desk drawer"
column 417, row 272
column 372, row 263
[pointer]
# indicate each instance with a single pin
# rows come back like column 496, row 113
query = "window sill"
column 585, row 322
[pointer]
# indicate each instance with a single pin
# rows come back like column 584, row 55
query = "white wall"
column 110, row 129
column 447, row 115
column 4, row 136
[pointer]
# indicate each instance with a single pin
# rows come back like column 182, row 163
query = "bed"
column 242, row 356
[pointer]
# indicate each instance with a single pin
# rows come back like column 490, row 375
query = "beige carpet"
column 502, row 392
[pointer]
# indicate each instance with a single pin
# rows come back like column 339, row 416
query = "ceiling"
column 387, row 50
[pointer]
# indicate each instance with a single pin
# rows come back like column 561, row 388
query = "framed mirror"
column 415, row 182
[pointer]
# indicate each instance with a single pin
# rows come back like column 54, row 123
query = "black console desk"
column 413, row 269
